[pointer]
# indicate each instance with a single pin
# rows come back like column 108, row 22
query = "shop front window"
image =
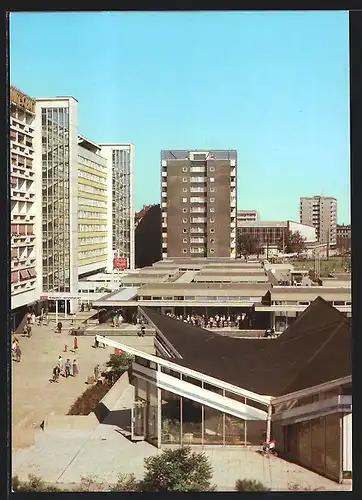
column 170, row 418
column 235, row 430
column 213, row 426
column 191, row 422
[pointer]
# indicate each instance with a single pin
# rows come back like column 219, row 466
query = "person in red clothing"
column 75, row 344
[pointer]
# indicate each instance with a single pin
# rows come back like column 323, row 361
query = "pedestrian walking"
column 75, row 368
column 96, row 373
column 75, row 344
column 33, row 318
column 60, row 364
column 28, row 330
column 56, row 372
column 96, row 342
column 59, row 326
column 17, row 353
column 68, row 367
column 28, row 318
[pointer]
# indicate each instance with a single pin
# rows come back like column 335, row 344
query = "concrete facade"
column 25, row 197
column 198, row 192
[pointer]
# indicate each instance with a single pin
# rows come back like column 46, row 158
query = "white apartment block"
column 57, row 157
column 320, row 212
column 25, row 202
column 120, row 160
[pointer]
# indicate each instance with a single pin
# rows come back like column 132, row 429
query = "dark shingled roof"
column 316, row 348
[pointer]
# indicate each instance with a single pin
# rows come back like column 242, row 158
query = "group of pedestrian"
column 89, row 307
column 16, row 351
column 217, row 321
column 117, row 319
column 66, row 369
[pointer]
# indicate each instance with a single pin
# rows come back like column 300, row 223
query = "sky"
column 272, row 85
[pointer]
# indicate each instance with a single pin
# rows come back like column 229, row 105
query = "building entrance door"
column 138, row 421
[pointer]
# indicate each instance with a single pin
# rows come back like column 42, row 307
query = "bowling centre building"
column 202, row 388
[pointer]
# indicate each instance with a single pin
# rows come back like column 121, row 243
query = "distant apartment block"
column 247, row 216
column 344, row 233
column 25, row 197
column 198, row 192
column 121, row 212
column 320, row 212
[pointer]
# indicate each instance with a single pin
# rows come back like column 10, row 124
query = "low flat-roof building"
column 205, row 389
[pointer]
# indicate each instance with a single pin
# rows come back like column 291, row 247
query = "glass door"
column 138, row 422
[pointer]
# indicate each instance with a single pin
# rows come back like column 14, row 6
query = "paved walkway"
column 33, row 393
column 67, row 456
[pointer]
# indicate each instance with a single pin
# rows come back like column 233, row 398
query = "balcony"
column 164, row 174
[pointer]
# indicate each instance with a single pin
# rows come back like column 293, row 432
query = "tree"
column 246, row 245
column 119, row 364
column 291, row 242
column 177, row 470
column 34, row 483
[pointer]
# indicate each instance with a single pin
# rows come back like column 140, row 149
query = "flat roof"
column 123, row 294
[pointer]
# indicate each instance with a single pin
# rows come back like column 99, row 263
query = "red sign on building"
column 120, row 263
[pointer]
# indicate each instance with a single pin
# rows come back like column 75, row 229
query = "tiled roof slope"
column 315, row 349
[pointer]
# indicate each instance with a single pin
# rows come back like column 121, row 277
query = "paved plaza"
column 33, row 393
column 65, row 456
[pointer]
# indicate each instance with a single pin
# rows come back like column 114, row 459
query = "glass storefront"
column 170, row 418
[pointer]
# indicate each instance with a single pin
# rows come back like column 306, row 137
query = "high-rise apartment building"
column 121, row 212
column 247, row 216
column 320, row 212
column 57, row 153
column 94, row 231
column 25, row 220
column 344, row 233
column 198, row 191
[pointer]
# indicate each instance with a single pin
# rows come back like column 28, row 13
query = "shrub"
column 126, row 482
column 177, row 470
column 89, row 483
column 88, row 401
column 299, row 487
column 250, row 485
column 34, row 483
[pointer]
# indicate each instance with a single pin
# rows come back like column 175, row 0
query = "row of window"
column 308, row 302
column 92, row 215
column 198, row 220
column 92, row 190
column 204, row 299
column 198, row 210
column 197, row 240
column 92, row 177
column 197, row 179
column 201, row 168
column 84, row 228
column 198, row 199
column 92, row 164
column 93, row 253
column 92, row 203
column 93, row 240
